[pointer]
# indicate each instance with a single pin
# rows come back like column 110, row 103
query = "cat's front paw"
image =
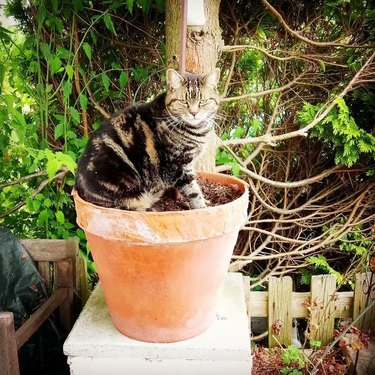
column 197, row 203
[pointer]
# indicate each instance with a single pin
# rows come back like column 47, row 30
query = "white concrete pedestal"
column 95, row 347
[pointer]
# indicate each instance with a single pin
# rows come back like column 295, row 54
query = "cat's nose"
column 193, row 112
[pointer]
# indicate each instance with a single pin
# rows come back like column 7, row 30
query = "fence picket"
column 280, row 311
column 323, row 306
column 363, row 295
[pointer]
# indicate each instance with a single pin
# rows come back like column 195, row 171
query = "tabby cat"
column 140, row 153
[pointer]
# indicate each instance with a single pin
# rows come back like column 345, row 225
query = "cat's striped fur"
column 137, row 155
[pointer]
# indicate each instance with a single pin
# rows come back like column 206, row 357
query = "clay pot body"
column 161, row 272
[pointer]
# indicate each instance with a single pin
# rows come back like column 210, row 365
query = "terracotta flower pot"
column 162, row 272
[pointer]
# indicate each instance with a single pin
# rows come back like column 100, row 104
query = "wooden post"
column 362, row 299
column 44, row 269
column 279, row 311
column 323, row 306
column 8, row 345
column 81, row 281
column 64, row 278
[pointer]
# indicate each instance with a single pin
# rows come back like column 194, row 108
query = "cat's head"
column 191, row 97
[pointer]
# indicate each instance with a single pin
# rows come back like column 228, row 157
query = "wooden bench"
column 64, row 274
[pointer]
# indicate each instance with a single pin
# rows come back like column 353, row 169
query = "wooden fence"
column 322, row 305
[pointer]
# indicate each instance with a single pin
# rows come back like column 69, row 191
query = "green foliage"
column 353, row 243
column 315, row 344
column 320, row 263
column 294, row 359
column 53, row 76
column 340, row 131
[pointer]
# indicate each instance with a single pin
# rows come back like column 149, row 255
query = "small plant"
column 294, row 359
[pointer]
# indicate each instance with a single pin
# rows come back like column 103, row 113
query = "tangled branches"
column 301, row 203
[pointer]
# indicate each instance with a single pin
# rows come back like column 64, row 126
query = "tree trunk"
column 202, row 51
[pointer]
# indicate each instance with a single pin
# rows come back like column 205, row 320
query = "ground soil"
column 214, row 193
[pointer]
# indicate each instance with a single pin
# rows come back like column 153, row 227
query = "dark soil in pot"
column 215, row 194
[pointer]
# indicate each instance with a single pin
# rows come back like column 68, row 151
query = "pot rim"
column 166, row 226
column 242, row 183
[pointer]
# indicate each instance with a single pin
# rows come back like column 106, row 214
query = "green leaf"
column 39, row 196
column 41, row 15
column 46, row 51
column 106, row 81
column 130, row 5
column 77, row 5
column 67, row 161
column 236, row 169
column 36, row 205
column 315, row 343
column 83, row 101
column 43, row 217
column 47, row 202
column 59, row 130
column 109, row 24
column 60, row 217
column 75, row 115
column 87, row 48
column 55, row 65
column 238, row 132
column 124, row 78
column 63, row 53
column 146, row 4
column 69, row 71
column 53, row 165
column 67, row 89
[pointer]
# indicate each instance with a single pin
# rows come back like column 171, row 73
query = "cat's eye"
column 204, row 101
column 183, row 102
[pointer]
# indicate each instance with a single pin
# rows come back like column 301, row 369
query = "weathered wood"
column 57, row 264
column 344, row 305
column 298, row 304
column 8, row 346
column 363, row 295
column 280, row 311
column 65, row 278
column 48, row 250
column 259, row 304
column 323, row 308
column 31, row 325
column 81, row 281
column 45, row 271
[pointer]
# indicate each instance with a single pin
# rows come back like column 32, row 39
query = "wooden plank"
column 65, row 278
column 344, row 305
column 259, row 304
column 279, row 311
column 8, row 346
column 48, row 250
column 298, row 304
column 362, row 298
column 81, row 274
column 322, row 308
column 44, row 269
column 39, row 317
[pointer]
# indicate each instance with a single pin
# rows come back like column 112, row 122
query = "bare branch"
column 306, row 40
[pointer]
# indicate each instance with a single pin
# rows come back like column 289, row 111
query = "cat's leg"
column 190, row 190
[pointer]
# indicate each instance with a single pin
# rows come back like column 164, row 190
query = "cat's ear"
column 212, row 79
column 174, row 80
